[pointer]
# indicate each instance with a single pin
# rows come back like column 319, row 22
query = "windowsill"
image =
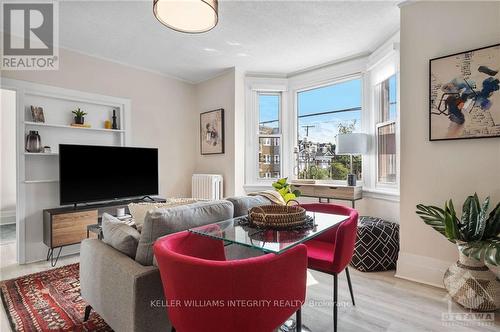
column 387, row 195
column 384, row 194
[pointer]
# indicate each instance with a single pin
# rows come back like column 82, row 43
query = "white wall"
column 162, row 109
column 432, row 172
column 161, row 116
column 8, row 156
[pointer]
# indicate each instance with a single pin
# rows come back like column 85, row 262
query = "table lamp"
column 352, row 144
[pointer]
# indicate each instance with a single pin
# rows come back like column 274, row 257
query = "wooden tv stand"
column 65, row 226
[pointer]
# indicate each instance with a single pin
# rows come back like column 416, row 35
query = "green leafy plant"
column 284, row 188
column 477, row 232
column 79, row 113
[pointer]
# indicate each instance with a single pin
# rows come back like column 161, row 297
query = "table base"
column 291, row 326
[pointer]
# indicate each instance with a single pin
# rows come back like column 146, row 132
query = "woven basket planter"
column 277, row 216
column 471, row 284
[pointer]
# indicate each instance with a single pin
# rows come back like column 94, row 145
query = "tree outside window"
column 323, row 113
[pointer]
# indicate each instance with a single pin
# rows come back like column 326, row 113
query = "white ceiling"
column 258, row 36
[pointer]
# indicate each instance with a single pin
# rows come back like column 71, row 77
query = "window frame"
column 270, row 138
column 363, row 118
column 378, row 123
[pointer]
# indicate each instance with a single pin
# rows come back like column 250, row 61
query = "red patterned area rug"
column 48, row 301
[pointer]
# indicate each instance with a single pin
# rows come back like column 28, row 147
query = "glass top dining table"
column 267, row 240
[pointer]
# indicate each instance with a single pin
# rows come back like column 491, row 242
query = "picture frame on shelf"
column 464, row 95
column 212, row 132
column 37, row 114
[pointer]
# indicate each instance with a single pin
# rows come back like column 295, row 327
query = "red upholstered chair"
column 204, row 292
column 331, row 252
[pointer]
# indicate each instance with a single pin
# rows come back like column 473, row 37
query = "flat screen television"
column 90, row 173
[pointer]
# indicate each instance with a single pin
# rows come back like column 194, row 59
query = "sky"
column 339, row 96
column 328, row 98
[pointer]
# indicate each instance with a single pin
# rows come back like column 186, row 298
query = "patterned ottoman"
column 377, row 245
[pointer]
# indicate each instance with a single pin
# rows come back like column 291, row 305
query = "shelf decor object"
column 37, row 114
column 114, row 125
column 193, row 16
column 33, row 142
column 79, row 116
column 464, row 95
column 81, row 125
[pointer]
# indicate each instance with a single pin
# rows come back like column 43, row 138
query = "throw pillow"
column 119, row 235
column 161, row 222
column 139, row 210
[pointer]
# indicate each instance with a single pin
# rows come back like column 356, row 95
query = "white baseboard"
column 422, row 269
column 7, row 217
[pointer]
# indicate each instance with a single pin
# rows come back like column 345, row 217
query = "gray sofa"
column 126, row 292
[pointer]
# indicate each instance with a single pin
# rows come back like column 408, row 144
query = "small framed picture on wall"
column 212, row 132
column 464, row 95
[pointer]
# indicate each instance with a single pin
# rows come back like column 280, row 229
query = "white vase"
column 471, row 284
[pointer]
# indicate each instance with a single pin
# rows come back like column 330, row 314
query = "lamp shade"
column 190, row 16
column 353, row 143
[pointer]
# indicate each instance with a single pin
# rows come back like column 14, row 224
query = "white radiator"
column 207, row 186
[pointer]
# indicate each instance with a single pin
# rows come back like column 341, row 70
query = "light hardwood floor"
column 383, row 302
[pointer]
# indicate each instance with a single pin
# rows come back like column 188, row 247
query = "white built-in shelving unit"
column 38, row 173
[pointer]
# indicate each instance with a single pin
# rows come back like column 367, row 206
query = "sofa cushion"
column 243, row 203
column 161, row 222
column 119, row 235
column 139, row 210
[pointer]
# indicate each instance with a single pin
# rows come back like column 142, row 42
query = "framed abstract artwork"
column 464, row 95
column 212, row 132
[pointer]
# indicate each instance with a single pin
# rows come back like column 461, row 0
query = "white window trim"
column 369, row 69
column 381, row 184
column 294, row 118
column 254, row 86
column 384, row 69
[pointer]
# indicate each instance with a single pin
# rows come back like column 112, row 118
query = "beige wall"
column 8, row 156
column 432, row 172
column 162, row 109
column 220, row 92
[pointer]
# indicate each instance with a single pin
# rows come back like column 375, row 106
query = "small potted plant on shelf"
column 477, row 236
column 79, row 116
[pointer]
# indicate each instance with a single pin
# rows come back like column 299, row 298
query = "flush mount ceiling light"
column 190, row 16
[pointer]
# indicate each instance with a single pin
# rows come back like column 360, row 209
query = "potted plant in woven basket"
column 476, row 233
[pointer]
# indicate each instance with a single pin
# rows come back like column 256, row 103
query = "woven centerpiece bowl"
column 277, row 216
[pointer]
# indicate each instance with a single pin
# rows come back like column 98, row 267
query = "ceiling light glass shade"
column 190, row 16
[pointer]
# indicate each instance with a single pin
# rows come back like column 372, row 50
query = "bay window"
column 292, row 126
column 322, row 114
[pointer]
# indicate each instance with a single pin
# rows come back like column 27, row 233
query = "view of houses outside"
column 323, row 113
column 269, row 135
